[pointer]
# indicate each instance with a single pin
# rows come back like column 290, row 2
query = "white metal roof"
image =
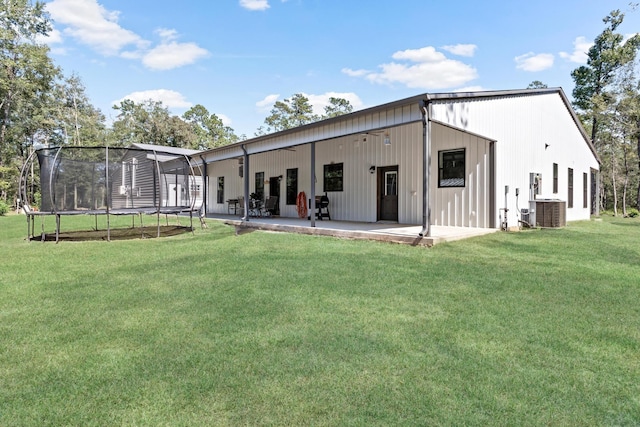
column 387, row 115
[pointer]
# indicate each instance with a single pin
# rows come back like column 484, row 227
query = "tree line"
column 607, row 99
column 40, row 106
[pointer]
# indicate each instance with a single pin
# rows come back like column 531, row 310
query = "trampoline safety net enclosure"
column 111, row 181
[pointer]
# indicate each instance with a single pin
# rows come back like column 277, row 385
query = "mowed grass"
column 534, row 328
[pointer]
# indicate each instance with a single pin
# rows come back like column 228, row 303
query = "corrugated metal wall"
column 466, row 206
column 531, row 133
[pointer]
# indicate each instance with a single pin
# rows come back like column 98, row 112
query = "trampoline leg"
column 57, row 228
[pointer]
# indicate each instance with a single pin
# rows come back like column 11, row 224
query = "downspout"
column 205, row 187
column 425, row 110
column 246, row 183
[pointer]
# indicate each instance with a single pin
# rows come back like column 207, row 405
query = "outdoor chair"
column 255, row 207
column 240, row 206
column 270, row 206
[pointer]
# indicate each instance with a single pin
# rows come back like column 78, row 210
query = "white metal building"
column 479, row 159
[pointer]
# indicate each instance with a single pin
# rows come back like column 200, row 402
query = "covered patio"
column 379, row 231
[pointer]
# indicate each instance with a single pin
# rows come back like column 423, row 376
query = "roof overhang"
column 410, row 107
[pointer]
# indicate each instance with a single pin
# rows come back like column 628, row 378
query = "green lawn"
column 534, row 328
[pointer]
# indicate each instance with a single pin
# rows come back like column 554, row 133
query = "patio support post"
column 246, row 184
column 205, row 187
column 425, row 107
column 157, row 164
column 106, row 186
column 312, row 202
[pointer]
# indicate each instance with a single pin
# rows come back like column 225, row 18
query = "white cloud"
column 91, row 24
column 318, row 102
column 268, row 101
column 580, row 48
column 54, row 37
column 431, row 70
column 355, row 73
column 255, row 4
column 534, row 62
column 167, row 33
column 471, row 89
column 461, row 49
column 224, row 119
column 169, row 98
column 171, row 55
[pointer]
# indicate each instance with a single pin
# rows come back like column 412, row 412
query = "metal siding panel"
column 522, row 125
column 459, row 206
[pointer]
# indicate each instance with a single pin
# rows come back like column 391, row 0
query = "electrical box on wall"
column 535, row 185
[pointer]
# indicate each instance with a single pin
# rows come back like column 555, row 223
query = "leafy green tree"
column 337, row 107
column 179, row 133
column 78, row 121
column 627, row 118
column 26, row 76
column 209, row 130
column 537, row 84
column 292, row 112
column 609, row 53
column 150, row 122
column 297, row 111
column 140, row 123
column 600, row 98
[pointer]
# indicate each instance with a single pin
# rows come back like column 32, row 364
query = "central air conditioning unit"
column 525, row 217
column 551, row 213
column 122, row 190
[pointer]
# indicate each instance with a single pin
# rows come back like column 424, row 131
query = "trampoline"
column 110, row 181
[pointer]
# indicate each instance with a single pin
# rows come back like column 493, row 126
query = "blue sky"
column 237, row 57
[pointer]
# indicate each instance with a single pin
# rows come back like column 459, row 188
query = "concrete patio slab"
column 386, row 232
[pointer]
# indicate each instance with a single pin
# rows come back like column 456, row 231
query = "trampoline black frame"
column 157, row 210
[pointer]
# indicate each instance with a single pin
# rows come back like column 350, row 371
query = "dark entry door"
column 274, row 190
column 388, row 193
column 594, row 192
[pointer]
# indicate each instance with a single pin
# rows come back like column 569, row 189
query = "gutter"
column 425, row 110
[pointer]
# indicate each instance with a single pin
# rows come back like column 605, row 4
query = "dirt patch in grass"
column 115, row 234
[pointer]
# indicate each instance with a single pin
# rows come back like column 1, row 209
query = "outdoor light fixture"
column 372, row 169
column 387, row 140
